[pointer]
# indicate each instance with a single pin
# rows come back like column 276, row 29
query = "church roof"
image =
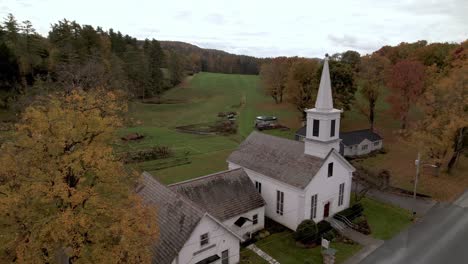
column 224, row 194
column 278, row 158
column 349, row 138
column 324, row 96
column 176, row 216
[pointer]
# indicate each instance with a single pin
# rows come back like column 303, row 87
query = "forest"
column 74, row 55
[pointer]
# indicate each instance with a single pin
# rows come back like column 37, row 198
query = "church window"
column 258, row 186
column 330, row 169
column 313, row 206
column 279, row 202
column 341, row 195
column 332, row 129
column 316, row 128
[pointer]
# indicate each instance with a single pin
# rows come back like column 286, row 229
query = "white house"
column 229, row 196
column 353, row 143
column 360, row 142
column 187, row 233
column 300, row 180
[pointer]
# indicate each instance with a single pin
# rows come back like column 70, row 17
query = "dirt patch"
column 132, row 136
column 156, row 100
column 225, row 127
column 186, row 82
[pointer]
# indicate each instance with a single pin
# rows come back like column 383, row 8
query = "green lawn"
column 200, row 101
column 283, row 248
column 385, row 220
column 247, row 256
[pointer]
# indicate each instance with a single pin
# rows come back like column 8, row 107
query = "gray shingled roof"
column 177, row 217
column 349, row 138
column 279, row 158
column 357, row 136
column 224, row 195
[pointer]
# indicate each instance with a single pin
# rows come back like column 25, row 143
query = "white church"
column 300, row 180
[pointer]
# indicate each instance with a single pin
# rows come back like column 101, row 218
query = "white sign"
column 325, row 243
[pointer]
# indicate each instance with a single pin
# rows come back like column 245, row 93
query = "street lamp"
column 418, row 164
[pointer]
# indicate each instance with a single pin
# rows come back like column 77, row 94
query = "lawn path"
column 262, row 254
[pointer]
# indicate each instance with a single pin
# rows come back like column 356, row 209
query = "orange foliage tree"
column 445, row 123
column 406, row 81
column 63, row 194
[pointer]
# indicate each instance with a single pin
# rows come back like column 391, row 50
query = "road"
column 440, row 236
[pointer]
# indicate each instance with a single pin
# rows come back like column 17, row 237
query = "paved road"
column 419, row 205
column 438, row 237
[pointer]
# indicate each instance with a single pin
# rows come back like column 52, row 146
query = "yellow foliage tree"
column 62, row 191
column 440, row 134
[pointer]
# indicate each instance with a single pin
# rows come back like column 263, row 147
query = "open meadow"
column 199, row 102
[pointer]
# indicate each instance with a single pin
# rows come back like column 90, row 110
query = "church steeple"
column 324, row 97
column 323, row 121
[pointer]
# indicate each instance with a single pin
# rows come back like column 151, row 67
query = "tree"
column 342, row 81
column 176, row 68
column 371, row 78
column 11, row 29
column 301, row 88
column 406, row 82
column 441, row 133
column 155, row 60
column 307, row 232
column 274, row 77
column 62, row 191
column 352, row 58
column 9, row 74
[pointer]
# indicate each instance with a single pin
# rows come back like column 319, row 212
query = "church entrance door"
column 326, row 210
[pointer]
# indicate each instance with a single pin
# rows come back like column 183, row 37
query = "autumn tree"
column 371, row 78
column 406, row 82
column 441, row 132
column 62, row 191
column 301, row 88
column 274, row 76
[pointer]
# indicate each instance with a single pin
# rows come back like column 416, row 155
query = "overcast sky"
column 261, row 28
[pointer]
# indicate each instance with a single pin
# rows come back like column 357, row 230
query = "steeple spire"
column 324, row 97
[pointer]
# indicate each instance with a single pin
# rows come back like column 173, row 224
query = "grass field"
column 385, row 220
column 201, row 100
column 283, row 248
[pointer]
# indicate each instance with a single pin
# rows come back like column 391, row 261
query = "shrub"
column 307, row 232
column 323, row 227
column 352, row 212
column 329, row 235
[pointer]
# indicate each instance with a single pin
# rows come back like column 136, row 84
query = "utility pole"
column 416, row 178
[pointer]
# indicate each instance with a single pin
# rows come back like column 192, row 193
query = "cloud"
column 215, row 18
column 183, row 15
column 351, row 42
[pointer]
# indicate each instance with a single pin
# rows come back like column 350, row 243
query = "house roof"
column 177, row 218
column 224, row 195
column 349, row 138
column 278, row 158
column 357, row 136
column 302, row 131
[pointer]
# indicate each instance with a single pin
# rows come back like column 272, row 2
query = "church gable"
column 334, row 166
